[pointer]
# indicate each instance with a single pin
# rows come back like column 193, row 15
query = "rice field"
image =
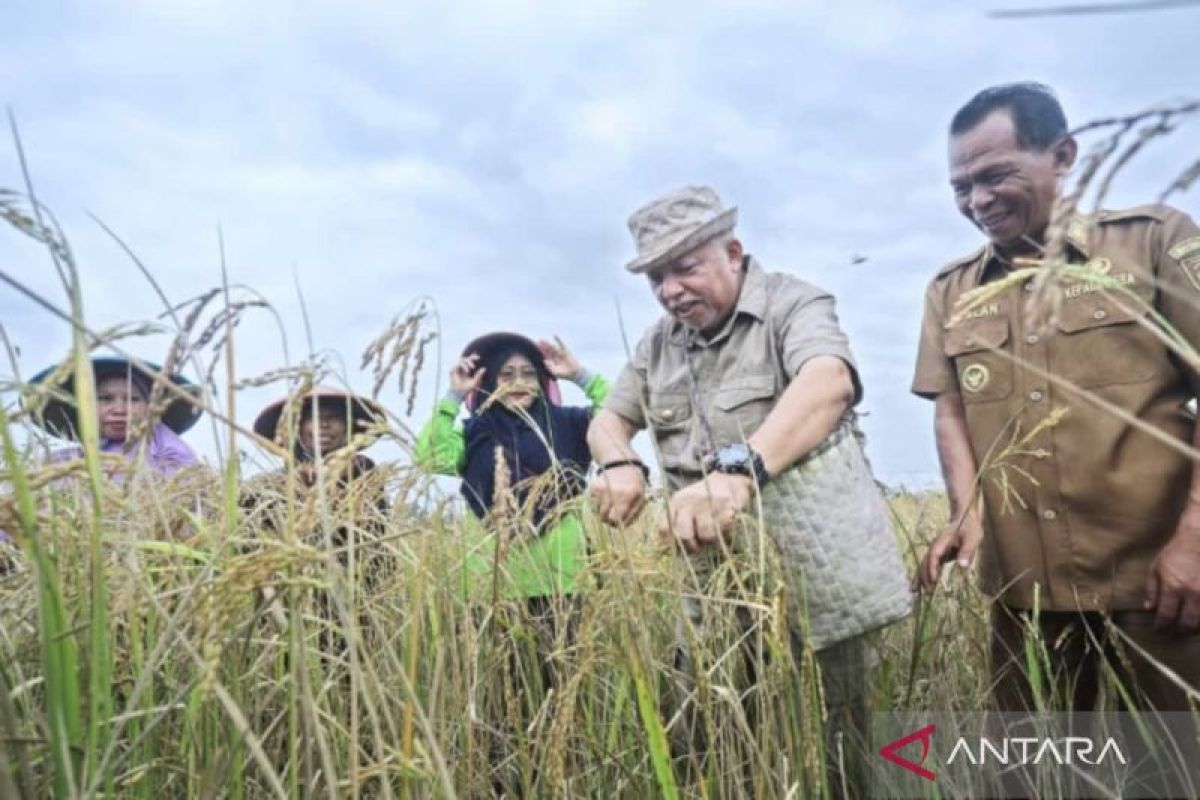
column 241, row 662
column 157, row 640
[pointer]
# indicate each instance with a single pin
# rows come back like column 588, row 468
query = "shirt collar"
column 753, row 298
column 991, row 265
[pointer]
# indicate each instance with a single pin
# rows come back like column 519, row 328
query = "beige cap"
column 676, row 223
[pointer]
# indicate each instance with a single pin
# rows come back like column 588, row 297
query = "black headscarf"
column 524, row 446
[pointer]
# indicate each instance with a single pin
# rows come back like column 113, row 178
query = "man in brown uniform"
column 1077, row 432
column 747, row 384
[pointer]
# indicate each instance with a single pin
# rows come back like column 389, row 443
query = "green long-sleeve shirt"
column 550, row 564
column 441, row 447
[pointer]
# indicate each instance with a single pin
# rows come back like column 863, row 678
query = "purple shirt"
column 166, row 454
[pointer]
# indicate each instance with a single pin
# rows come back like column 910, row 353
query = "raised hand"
column 466, row 376
column 559, row 360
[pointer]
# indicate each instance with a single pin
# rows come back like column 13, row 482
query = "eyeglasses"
column 511, row 375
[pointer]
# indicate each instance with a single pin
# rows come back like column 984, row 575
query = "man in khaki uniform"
column 747, row 384
column 1076, row 431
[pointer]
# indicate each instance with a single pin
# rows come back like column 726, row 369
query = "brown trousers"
column 1080, row 654
column 1081, row 647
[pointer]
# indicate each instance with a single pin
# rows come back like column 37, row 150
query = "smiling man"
column 1096, row 518
column 747, row 385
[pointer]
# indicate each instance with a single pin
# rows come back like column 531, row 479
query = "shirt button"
column 1050, row 514
column 1099, row 313
column 667, row 413
column 1028, row 286
column 1031, row 338
column 1036, row 396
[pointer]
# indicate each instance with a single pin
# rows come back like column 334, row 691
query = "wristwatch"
column 739, row 459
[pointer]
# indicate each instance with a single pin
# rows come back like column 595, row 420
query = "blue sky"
column 487, row 155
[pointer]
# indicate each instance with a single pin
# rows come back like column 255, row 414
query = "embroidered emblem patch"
column 1187, row 254
column 975, row 377
column 1101, row 265
column 1184, row 248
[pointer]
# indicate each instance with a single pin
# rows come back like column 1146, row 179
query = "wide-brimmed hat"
column 60, row 416
column 677, row 223
column 490, row 344
column 362, row 410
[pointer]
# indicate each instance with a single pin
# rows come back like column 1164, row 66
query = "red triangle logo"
column 890, row 751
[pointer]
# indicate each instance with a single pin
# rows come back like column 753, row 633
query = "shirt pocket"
column 982, row 358
column 670, row 422
column 740, row 406
column 1103, row 343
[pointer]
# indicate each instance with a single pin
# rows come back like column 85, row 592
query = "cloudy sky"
column 487, row 154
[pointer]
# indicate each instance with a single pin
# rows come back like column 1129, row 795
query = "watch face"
column 733, row 456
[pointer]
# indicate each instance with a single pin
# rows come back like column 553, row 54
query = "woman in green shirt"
column 523, row 459
column 516, row 422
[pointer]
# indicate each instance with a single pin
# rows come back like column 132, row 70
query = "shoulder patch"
column 965, row 261
column 1187, row 255
column 1184, row 248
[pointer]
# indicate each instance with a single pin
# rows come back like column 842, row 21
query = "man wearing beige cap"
column 747, row 385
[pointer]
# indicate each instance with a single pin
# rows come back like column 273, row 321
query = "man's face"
column 701, row 287
column 1006, row 191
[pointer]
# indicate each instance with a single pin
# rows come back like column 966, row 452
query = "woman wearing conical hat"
column 327, row 419
column 122, row 402
column 320, row 429
column 520, row 448
column 324, row 423
column 123, row 391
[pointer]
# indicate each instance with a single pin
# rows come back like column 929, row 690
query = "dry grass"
column 237, row 660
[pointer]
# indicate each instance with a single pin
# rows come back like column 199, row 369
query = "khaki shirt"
column 1077, row 517
column 734, row 378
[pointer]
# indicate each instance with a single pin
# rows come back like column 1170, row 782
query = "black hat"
column 60, row 416
column 363, row 410
column 492, row 345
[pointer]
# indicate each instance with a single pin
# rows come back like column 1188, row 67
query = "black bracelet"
column 627, row 462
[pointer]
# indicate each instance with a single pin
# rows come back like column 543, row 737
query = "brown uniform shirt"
column 734, row 378
column 1078, row 517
